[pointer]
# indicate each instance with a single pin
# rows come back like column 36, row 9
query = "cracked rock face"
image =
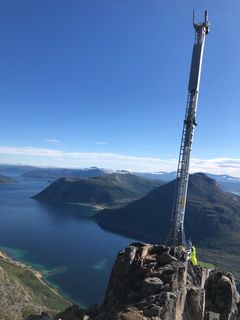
column 155, row 282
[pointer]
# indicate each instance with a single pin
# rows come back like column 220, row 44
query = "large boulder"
column 221, row 295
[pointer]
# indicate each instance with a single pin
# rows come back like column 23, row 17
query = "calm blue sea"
column 74, row 253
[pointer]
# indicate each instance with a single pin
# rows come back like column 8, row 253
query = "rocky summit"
column 156, row 282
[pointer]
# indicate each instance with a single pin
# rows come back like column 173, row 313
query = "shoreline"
column 95, row 207
column 99, row 207
column 38, row 274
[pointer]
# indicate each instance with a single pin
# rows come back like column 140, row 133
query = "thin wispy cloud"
column 101, row 142
column 53, row 141
column 114, row 161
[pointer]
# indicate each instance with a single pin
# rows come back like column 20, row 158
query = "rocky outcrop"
column 151, row 280
column 155, row 282
column 42, row 316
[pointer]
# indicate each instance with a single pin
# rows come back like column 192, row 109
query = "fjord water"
column 74, row 253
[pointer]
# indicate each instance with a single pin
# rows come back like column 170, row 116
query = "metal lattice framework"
column 176, row 235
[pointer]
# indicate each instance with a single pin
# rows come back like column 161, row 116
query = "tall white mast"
column 176, row 236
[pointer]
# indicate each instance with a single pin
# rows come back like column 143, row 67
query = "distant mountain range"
column 49, row 174
column 108, row 189
column 161, row 175
column 6, row 180
column 56, row 173
column 14, row 170
column 228, row 183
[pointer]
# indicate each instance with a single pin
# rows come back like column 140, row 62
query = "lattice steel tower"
column 176, row 235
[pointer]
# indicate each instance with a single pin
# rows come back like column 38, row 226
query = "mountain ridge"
column 212, row 215
column 6, row 180
column 229, row 183
column 105, row 190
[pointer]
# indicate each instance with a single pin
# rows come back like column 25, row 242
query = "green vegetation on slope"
column 108, row 189
column 22, row 293
column 206, row 265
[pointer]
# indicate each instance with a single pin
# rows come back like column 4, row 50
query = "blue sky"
column 104, row 83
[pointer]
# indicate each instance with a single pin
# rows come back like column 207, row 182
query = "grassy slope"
column 26, row 292
column 107, row 189
column 221, row 258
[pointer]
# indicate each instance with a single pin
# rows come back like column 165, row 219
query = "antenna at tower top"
column 203, row 25
column 206, row 16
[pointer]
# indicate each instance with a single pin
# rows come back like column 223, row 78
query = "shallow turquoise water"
column 72, row 251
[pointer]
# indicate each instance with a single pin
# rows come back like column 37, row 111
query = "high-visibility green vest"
column 193, row 256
